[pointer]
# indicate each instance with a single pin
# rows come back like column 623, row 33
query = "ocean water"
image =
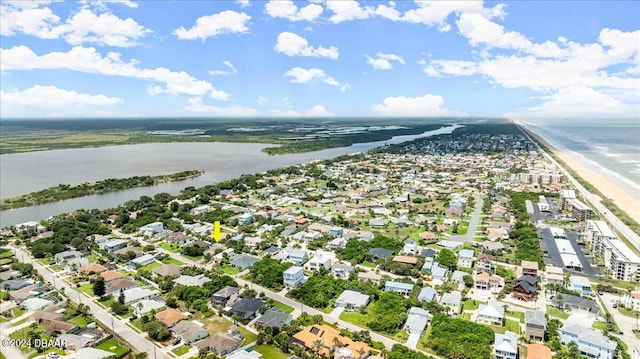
column 611, row 147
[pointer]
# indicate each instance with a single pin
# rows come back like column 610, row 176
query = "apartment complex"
column 617, row 256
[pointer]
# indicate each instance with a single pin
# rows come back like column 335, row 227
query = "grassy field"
column 181, row 350
column 228, row 270
column 151, row 266
column 113, row 346
column 79, row 320
column 87, row 288
column 170, row 260
column 519, row 315
column 471, row 304
column 283, row 307
column 269, row 351
column 554, row 312
column 171, row 247
column 599, row 325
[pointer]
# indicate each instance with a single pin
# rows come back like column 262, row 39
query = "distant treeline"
column 65, row 191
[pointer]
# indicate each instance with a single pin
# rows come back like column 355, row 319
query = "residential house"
column 451, row 302
column 538, row 351
column 485, row 281
column 60, row 326
column 126, row 251
column 410, row 248
column 111, row 275
column 417, row 321
column 243, row 261
column 439, row 274
column 220, row 343
column 73, row 264
column 192, row 281
column 144, row 306
column 465, row 258
column 529, row 268
column 484, row 263
column 247, row 307
column 571, row 302
column 525, row 288
column 427, row 294
column 319, row 261
column 291, row 255
column 378, row 253
column 114, row 244
column 167, row 270
column 369, row 276
column 580, row 285
column 352, row 300
column 341, row 270
column 91, row 353
column 65, row 256
column 170, row 316
column 114, row 287
column 458, row 278
column 92, row 268
column 253, row 242
column 152, row 228
column 15, row 284
column 398, row 287
column 293, row 276
column 535, row 324
column 134, row 295
column 491, row 313
column 189, row 332
column 143, row 260
column 273, row 318
column 405, row 260
column 592, row 343
column 428, row 253
column 225, row 296
column 505, row 346
column 555, row 275
column 25, row 293
column 328, row 339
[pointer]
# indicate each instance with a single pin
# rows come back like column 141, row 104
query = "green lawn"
column 249, row 337
column 599, row 325
column 555, row 312
column 472, row 304
column 17, row 311
column 113, row 346
column 169, row 247
column 107, row 303
column 57, row 267
column 269, row 351
column 512, row 325
column 181, row 350
column 5, row 261
column 5, row 253
column 228, row 270
column 21, row 321
column 355, row 318
column 519, row 315
column 87, row 288
column 627, row 312
column 283, row 307
column 79, row 320
column 369, row 264
column 170, row 260
column 151, row 266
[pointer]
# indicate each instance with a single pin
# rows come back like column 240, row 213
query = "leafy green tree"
column 99, row 287
column 447, row 258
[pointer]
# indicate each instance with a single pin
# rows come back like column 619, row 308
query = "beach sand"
column 628, row 202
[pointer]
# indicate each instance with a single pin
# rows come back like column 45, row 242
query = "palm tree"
column 317, row 346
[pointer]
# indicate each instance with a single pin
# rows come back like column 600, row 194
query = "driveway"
column 413, row 340
column 336, row 312
column 473, row 224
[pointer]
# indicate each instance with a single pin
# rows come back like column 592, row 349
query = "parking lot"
column 552, row 255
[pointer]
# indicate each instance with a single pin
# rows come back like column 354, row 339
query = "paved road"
column 6, row 329
column 592, row 199
column 135, row 339
column 626, row 324
column 473, row 224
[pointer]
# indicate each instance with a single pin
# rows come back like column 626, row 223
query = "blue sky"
column 520, row 59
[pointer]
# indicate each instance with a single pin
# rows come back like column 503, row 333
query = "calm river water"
column 27, row 172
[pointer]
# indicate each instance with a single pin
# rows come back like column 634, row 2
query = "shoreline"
column 627, row 202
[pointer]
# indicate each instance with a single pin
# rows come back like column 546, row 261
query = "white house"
column 505, row 345
column 133, row 295
column 294, row 276
column 491, row 313
column 152, row 228
column 352, row 300
column 319, row 261
column 580, row 285
column 143, row 260
column 465, row 258
column 417, row 321
column 591, row 343
column 398, row 287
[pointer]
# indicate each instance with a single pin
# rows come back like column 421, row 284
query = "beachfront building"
column 580, row 211
column 566, row 195
column 580, row 285
column 616, row 255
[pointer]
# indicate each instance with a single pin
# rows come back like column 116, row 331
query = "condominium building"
column 616, row 255
column 580, row 211
column 566, row 195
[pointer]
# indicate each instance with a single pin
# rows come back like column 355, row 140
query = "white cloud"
column 34, row 21
column 196, row 105
column 53, row 97
column 243, row 3
column 580, row 101
column 103, row 29
column 315, row 111
column 88, row 60
column 301, row 76
column 261, row 100
column 213, row 25
column 287, row 9
column 232, row 70
column 382, row 61
column 83, row 27
column 347, row 10
column 292, row 44
column 432, row 13
column 427, row 105
column 451, row 67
